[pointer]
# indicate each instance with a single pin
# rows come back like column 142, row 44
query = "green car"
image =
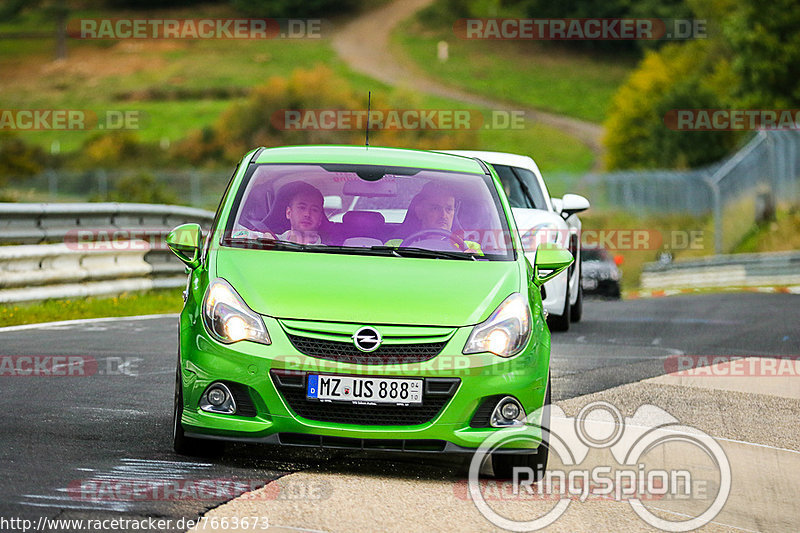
column 362, row 298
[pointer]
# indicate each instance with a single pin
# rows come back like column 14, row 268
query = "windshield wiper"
column 412, row 251
column 264, row 243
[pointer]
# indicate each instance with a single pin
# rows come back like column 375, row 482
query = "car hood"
column 367, row 289
column 528, row 218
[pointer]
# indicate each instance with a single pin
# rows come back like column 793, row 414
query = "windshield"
column 371, row 210
column 521, row 186
column 594, row 254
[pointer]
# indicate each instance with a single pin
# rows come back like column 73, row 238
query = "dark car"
column 600, row 273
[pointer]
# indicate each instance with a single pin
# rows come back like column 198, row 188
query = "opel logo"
column 367, row 339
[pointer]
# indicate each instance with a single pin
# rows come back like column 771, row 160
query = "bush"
column 254, row 122
column 18, row 159
column 142, row 188
column 110, row 150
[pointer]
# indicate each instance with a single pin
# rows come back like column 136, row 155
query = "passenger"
column 305, row 214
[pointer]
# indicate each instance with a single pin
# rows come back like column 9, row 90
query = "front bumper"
column 253, row 366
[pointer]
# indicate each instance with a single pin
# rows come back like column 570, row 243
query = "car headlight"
column 546, row 232
column 505, row 332
column 228, row 318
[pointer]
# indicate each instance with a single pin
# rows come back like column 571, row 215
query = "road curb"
column 660, row 293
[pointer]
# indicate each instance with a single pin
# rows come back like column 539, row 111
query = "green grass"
column 779, row 235
column 664, row 231
column 123, row 75
column 127, row 304
column 540, row 76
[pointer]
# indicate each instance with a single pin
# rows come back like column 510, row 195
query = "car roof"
column 499, row 158
column 361, row 155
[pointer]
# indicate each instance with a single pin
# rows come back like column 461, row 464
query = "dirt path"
column 364, row 45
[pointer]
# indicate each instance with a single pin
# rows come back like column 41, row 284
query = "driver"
column 435, row 210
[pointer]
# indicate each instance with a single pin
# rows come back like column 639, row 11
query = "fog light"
column 218, row 399
column 507, row 412
column 217, row 396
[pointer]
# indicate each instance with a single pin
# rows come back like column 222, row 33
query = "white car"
column 540, row 218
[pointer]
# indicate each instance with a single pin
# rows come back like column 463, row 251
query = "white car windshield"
column 359, row 208
column 521, row 186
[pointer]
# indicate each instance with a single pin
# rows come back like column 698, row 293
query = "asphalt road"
column 61, row 438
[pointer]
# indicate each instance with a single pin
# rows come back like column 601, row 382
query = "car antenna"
column 369, row 101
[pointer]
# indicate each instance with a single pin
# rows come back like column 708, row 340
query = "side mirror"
column 573, row 203
column 184, row 241
column 550, row 261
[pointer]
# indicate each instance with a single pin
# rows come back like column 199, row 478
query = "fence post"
column 194, row 185
column 52, row 184
column 102, row 184
column 716, row 204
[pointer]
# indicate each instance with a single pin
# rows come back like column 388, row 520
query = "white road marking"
column 60, row 324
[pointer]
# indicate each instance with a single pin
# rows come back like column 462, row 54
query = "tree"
column 765, row 44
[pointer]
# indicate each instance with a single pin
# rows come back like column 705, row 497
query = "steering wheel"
column 449, row 235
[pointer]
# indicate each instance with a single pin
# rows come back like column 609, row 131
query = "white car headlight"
column 228, row 318
column 505, row 332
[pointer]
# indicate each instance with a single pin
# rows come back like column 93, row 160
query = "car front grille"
column 346, row 352
column 436, row 393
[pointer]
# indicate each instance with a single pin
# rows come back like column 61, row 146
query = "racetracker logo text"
column 195, row 29
column 396, row 119
column 587, row 29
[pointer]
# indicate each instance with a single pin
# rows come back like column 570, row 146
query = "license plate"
column 364, row 390
column 589, row 283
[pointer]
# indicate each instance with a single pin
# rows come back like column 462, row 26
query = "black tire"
column 503, row 464
column 577, row 309
column 182, row 444
column 561, row 322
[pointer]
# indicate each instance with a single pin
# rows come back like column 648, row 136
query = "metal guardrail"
column 78, row 250
column 738, row 270
column 49, row 223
